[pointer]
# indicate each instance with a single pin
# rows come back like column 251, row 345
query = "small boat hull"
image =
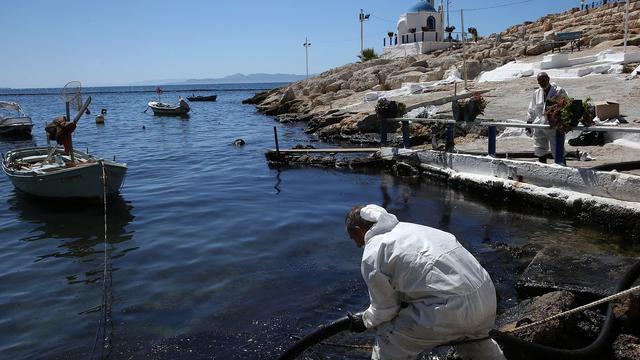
column 82, row 181
column 202, row 98
column 162, row 109
column 16, row 127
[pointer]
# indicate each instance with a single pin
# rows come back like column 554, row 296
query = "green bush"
column 367, row 54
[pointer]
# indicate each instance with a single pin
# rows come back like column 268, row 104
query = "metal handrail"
column 559, row 156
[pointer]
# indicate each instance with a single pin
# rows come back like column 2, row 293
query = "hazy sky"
column 48, row 43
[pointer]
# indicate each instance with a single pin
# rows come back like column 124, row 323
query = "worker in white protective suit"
column 543, row 139
column 425, row 289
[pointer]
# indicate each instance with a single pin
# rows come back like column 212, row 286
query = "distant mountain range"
column 231, row 79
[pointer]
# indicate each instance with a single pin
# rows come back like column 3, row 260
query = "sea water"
column 210, row 253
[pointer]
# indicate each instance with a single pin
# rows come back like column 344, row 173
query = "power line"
column 379, row 18
column 496, row 6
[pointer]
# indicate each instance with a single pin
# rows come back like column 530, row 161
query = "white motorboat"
column 164, row 109
column 49, row 173
column 13, row 120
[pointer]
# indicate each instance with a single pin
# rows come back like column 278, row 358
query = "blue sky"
column 48, row 43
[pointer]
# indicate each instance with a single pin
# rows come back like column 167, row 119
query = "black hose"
column 321, row 333
column 602, row 343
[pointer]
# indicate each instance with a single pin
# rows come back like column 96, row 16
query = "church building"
column 419, row 31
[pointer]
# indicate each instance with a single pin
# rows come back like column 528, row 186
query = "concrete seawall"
column 607, row 198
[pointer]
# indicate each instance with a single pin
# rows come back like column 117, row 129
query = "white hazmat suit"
column 543, row 138
column 425, row 290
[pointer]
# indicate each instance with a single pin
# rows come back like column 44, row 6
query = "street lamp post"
column 362, row 17
column 306, row 52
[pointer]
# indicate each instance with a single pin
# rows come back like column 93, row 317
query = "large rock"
column 343, row 94
column 288, row 95
column 434, row 75
column 395, row 82
column 627, row 312
column 489, row 64
column 571, row 332
column 626, row 347
column 335, row 86
column 445, row 62
column 421, row 63
column 324, row 99
column 565, row 268
column 597, row 39
column 363, row 80
column 539, row 48
column 473, row 69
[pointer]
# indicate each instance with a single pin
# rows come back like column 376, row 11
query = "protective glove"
column 528, row 130
column 357, row 324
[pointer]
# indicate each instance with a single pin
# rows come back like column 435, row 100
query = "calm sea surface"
column 210, row 253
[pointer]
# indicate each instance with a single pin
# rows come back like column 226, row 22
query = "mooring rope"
column 105, row 274
column 578, row 309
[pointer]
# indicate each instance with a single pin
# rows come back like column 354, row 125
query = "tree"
column 367, row 54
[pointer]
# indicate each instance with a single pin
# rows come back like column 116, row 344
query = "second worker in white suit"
column 543, row 139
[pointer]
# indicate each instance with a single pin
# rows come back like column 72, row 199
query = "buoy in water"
column 100, row 119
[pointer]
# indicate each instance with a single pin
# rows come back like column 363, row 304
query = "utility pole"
column 448, row 3
column 306, row 52
column 626, row 26
column 464, row 55
column 362, row 17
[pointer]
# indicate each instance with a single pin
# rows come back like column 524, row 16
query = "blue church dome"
column 422, row 6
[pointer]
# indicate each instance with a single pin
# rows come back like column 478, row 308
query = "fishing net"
column 71, row 94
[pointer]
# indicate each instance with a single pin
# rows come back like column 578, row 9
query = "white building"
column 419, row 31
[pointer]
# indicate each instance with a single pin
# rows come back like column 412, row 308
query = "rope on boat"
column 105, row 317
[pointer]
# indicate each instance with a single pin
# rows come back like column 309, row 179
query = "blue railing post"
column 383, row 131
column 492, row 141
column 559, row 155
column 406, row 141
column 449, row 140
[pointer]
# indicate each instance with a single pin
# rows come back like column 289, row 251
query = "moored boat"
column 50, row 173
column 164, row 109
column 13, row 120
column 202, row 97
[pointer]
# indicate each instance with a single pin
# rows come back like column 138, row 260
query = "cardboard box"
column 607, row 109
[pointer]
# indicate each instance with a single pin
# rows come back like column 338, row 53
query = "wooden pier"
column 325, row 151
